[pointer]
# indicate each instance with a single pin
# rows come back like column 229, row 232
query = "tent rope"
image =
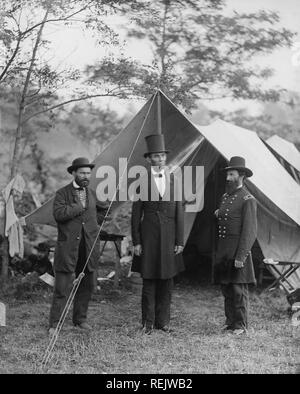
column 77, row 281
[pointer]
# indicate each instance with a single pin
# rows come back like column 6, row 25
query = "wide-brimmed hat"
column 155, row 144
column 238, row 163
column 78, row 163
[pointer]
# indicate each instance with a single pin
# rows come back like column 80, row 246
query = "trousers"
column 156, row 302
column 236, row 303
column 63, row 286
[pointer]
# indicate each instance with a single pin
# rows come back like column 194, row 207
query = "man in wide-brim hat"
column 75, row 211
column 157, row 235
column 237, row 229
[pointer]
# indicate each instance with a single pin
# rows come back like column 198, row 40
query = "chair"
column 282, row 270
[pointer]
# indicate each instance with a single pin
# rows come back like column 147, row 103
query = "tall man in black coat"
column 157, row 235
column 76, row 211
column 237, row 229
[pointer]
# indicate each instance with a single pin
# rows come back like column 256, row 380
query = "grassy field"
column 117, row 345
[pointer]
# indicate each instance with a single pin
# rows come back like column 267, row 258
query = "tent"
column 181, row 137
column 210, row 147
column 286, row 149
column 287, row 153
column 277, row 193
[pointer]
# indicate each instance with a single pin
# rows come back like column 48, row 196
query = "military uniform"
column 237, row 229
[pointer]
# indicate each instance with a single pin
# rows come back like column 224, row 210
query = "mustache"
column 231, row 182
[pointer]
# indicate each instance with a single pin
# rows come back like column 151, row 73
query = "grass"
column 117, row 345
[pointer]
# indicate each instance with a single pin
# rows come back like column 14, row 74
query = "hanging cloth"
column 13, row 227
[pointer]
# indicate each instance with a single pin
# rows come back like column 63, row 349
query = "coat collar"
column 73, row 190
column 238, row 190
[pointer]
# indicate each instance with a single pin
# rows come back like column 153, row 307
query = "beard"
column 231, row 186
column 82, row 182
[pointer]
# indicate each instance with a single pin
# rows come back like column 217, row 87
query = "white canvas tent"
column 277, row 193
column 286, row 149
column 287, row 153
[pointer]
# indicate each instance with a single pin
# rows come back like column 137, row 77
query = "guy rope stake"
column 77, row 281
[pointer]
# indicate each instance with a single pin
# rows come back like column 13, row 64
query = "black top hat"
column 78, row 163
column 155, row 144
column 238, row 163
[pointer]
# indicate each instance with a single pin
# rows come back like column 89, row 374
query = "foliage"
column 93, row 125
column 280, row 118
column 20, row 23
column 30, row 132
column 26, row 66
column 200, row 52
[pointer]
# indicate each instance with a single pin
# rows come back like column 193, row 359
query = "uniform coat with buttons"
column 237, row 230
column 158, row 227
column 73, row 220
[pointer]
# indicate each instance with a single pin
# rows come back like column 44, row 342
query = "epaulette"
column 247, row 197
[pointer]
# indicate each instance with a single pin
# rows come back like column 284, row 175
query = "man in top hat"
column 157, row 235
column 75, row 210
column 237, row 228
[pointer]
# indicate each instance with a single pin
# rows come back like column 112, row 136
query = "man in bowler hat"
column 76, row 211
column 237, row 229
column 157, row 235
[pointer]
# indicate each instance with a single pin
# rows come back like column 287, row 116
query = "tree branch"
column 18, row 136
column 57, row 19
column 163, row 41
column 86, row 97
column 12, row 58
column 22, row 34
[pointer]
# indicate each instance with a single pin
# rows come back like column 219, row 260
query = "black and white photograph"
column 149, row 190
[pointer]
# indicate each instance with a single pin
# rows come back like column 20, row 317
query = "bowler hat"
column 238, row 163
column 78, row 163
column 155, row 144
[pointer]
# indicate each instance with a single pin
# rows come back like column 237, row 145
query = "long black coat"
column 71, row 219
column 237, row 230
column 158, row 227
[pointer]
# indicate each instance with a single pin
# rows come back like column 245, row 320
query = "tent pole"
column 159, row 128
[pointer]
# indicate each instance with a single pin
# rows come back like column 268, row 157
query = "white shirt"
column 160, row 181
column 81, row 194
column 75, row 185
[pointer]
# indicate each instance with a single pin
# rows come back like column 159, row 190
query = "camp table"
column 115, row 238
